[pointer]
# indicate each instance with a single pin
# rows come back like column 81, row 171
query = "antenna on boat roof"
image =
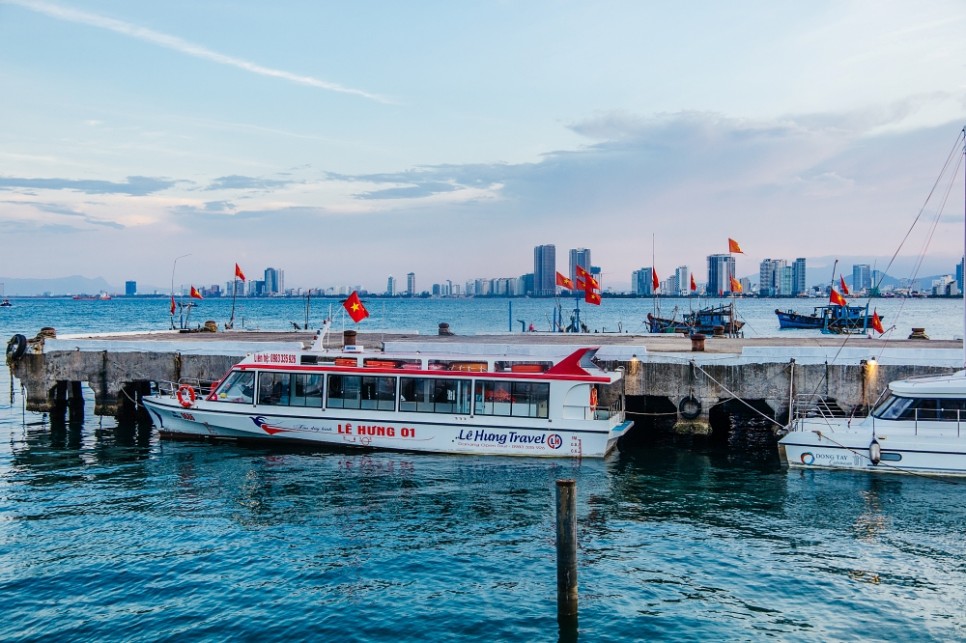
column 319, row 343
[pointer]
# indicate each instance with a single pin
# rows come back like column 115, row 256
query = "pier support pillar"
column 75, row 402
column 698, row 426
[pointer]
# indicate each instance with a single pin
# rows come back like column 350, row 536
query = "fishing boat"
column 713, row 320
column 466, row 403
column 919, row 427
column 828, row 319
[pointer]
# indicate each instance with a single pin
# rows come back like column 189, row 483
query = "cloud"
column 182, row 46
column 236, row 182
column 134, row 186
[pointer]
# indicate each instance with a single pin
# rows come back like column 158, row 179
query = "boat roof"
column 951, row 385
column 578, row 364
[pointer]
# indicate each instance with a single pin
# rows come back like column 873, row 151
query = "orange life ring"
column 184, row 388
column 593, row 398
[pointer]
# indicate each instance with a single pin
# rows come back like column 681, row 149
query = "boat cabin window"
column 239, row 387
column 519, row 399
column 274, row 388
column 434, row 395
column 905, row 408
column 308, row 390
column 362, row 392
column 894, row 408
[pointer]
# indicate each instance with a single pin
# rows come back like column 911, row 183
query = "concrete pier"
column 664, row 375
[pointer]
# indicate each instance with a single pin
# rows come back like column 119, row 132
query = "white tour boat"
column 920, row 427
column 478, row 404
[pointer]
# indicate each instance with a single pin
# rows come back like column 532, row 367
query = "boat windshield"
column 893, row 408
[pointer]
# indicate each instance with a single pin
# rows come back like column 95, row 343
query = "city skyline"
column 280, row 135
column 777, row 278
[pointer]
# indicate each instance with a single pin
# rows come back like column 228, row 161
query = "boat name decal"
column 552, row 440
column 374, row 430
column 275, row 358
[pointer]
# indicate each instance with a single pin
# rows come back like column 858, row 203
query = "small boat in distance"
column 101, row 297
column 828, row 319
column 713, row 320
column 464, row 403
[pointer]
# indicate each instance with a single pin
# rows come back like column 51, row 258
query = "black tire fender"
column 689, row 408
column 16, row 347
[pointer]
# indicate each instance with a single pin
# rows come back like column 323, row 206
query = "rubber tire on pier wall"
column 689, row 408
column 16, row 347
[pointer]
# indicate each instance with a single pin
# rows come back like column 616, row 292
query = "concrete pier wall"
column 763, row 376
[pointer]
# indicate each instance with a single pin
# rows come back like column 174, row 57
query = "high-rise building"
column 861, row 277
column 274, row 281
column 721, row 268
column 642, row 282
column 772, row 281
column 391, row 286
column 959, row 275
column 579, row 257
column 799, row 282
column 411, row 284
column 545, row 271
column 130, row 288
column 682, row 277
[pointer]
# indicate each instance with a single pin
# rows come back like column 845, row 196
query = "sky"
column 344, row 142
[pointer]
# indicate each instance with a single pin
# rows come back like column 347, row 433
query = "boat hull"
column 899, row 447
column 359, row 429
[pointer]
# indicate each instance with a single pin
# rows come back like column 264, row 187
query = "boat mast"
column 963, row 140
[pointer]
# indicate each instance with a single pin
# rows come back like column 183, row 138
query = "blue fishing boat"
column 828, row 319
column 714, row 320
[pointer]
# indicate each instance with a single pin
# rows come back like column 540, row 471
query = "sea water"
column 108, row 533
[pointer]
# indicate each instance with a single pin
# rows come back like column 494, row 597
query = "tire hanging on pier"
column 16, row 347
column 689, row 408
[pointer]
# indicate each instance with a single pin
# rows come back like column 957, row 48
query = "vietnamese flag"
column 876, row 322
column 353, row 306
column 845, row 289
column 733, row 246
column 735, row 285
column 589, row 281
column 694, row 286
column 172, row 304
column 836, row 299
column 592, row 297
column 654, row 280
column 239, row 273
column 564, row 282
column 195, row 294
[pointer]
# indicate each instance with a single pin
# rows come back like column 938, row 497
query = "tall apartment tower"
column 391, row 286
column 411, row 284
column 274, row 281
column 721, row 268
column 545, row 271
column 799, row 283
column 771, row 278
column 861, row 277
column 683, row 277
column 579, row 257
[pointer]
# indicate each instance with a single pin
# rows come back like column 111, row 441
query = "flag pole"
column 234, row 290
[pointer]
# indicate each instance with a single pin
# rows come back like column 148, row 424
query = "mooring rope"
column 735, row 396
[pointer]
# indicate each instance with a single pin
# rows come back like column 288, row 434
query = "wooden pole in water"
column 566, row 548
